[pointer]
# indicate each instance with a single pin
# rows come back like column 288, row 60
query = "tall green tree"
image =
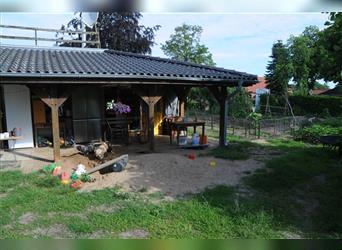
column 304, row 60
column 279, row 69
column 185, row 45
column 300, row 57
column 330, row 49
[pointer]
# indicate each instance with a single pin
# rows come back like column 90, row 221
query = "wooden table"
column 11, row 138
column 178, row 126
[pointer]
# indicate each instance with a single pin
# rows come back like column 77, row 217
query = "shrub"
column 316, row 105
column 312, row 133
column 324, row 106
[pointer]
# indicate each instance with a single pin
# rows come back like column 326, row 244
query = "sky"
column 239, row 41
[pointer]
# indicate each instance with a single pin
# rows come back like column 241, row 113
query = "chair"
column 117, row 129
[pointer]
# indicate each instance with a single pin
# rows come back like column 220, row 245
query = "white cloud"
column 238, row 41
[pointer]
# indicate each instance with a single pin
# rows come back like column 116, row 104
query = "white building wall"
column 18, row 114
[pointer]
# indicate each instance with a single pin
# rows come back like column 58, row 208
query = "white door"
column 18, row 114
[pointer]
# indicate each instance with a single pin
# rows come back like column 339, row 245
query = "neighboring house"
column 64, row 91
column 318, row 91
column 258, row 89
column 337, row 91
column 252, row 90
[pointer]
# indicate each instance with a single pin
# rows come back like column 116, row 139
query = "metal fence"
column 266, row 127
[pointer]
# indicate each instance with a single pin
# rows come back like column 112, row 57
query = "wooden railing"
column 57, row 40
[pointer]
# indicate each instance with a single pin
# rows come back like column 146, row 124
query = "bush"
column 332, row 121
column 323, row 106
column 312, row 133
column 316, row 105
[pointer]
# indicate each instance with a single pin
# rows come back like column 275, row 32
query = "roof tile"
column 105, row 63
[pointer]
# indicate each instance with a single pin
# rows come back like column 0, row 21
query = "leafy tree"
column 74, row 24
column 279, row 69
column 330, row 49
column 300, row 56
column 121, row 31
column 304, row 60
column 118, row 31
column 240, row 105
column 185, row 45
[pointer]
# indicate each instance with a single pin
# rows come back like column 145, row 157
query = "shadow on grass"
column 299, row 192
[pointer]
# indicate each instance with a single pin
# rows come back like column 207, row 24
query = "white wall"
column 18, row 114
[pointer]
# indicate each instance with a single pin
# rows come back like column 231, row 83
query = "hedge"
column 309, row 105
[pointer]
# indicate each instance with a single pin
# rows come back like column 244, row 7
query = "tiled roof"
column 260, row 85
column 97, row 63
column 318, row 91
column 337, row 91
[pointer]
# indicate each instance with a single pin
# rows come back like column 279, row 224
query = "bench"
column 332, row 141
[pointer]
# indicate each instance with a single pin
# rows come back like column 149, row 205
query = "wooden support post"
column 181, row 107
column 55, row 129
column 181, row 93
column 151, row 101
column 223, row 123
column 51, row 99
column 223, row 98
column 221, row 94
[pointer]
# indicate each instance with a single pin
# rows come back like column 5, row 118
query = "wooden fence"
column 36, row 38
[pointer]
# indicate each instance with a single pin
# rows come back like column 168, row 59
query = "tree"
column 330, row 49
column 278, row 70
column 118, row 31
column 300, row 58
column 121, row 31
column 304, row 60
column 185, row 45
column 74, row 24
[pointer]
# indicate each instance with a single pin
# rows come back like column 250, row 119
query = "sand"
column 174, row 174
column 168, row 170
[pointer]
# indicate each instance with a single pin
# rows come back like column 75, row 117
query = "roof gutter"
column 119, row 77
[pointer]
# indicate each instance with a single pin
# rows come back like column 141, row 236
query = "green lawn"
column 298, row 194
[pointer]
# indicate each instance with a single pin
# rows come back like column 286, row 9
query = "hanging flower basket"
column 118, row 107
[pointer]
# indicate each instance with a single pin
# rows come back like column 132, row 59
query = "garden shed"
column 65, row 90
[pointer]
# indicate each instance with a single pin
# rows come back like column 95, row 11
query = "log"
column 122, row 158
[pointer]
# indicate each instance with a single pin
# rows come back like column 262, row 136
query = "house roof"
column 337, row 91
column 318, row 91
column 83, row 63
column 260, row 85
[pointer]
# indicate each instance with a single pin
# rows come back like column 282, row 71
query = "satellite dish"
column 89, row 18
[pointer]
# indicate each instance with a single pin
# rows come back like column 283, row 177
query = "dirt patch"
column 291, row 235
column 57, row 231
column 109, row 208
column 173, row 174
column 27, row 218
column 134, row 234
column 168, row 171
column 96, row 235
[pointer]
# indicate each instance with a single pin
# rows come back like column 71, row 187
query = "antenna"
column 89, row 18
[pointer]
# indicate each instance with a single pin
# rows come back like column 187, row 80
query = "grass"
column 298, row 193
column 303, row 189
column 234, row 151
column 215, row 213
